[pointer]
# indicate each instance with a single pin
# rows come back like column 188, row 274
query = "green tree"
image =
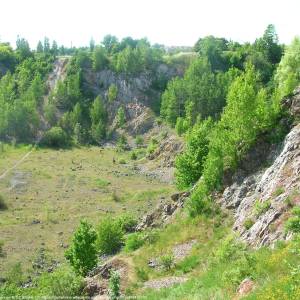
column 189, row 164
column 99, row 58
column 121, row 119
column 288, row 73
column 99, row 118
column 39, row 47
column 82, row 254
column 112, row 92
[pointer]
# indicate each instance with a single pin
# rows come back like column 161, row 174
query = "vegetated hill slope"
column 262, row 199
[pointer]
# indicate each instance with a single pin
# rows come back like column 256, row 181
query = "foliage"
column 55, row 137
column 167, row 261
column 114, row 286
column 99, row 119
column 82, row 254
column 127, row 222
column 121, row 118
column 293, row 223
column 110, row 236
column 134, row 241
column 189, row 164
column 139, row 141
column 260, row 207
column 247, row 113
column 61, row 283
column 112, row 92
column 287, row 75
column 99, row 58
column 122, row 143
column 248, row 223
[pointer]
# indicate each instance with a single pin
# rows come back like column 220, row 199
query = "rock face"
column 261, row 201
column 163, row 213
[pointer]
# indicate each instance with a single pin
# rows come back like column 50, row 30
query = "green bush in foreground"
column 110, row 236
column 82, row 254
column 134, row 241
column 114, row 286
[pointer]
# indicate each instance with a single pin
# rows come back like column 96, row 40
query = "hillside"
column 131, row 171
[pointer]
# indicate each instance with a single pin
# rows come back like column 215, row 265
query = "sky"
column 169, row 22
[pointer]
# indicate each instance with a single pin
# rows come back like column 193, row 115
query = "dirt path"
column 16, row 164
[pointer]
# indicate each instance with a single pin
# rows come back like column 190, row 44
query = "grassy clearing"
column 52, row 190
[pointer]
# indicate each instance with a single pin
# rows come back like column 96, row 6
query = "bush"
column 55, row 137
column 110, row 236
column 248, row 223
column 134, row 241
column 167, row 261
column 127, row 222
column 122, row 161
column 122, row 143
column 114, row 286
column 139, row 141
column 133, row 155
column 188, row 264
column 261, row 207
column 3, row 204
column 61, row 283
column 293, row 223
column 112, row 92
column 82, row 254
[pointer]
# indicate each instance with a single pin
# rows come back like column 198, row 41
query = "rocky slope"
column 262, row 200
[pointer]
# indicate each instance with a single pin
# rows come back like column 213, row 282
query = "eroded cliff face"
column 139, row 94
column 263, row 199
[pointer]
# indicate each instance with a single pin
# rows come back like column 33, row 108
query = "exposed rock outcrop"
column 163, row 213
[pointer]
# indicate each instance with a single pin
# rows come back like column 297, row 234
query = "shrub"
column 61, row 283
column 3, row 204
column 114, row 286
column 134, row 241
column 112, row 92
column 55, row 137
column 110, row 236
column 133, row 155
column 152, row 146
column 188, row 264
column 122, row 143
column 248, row 223
column 122, row 161
column 139, row 141
column 127, row 222
column 229, row 250
column 82, row 254
column 167, row 261
column 293, row 223
column 142, row 274
column 121, row 118
column 261, row 207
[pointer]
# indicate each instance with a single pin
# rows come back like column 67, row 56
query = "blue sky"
column 170, row 22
